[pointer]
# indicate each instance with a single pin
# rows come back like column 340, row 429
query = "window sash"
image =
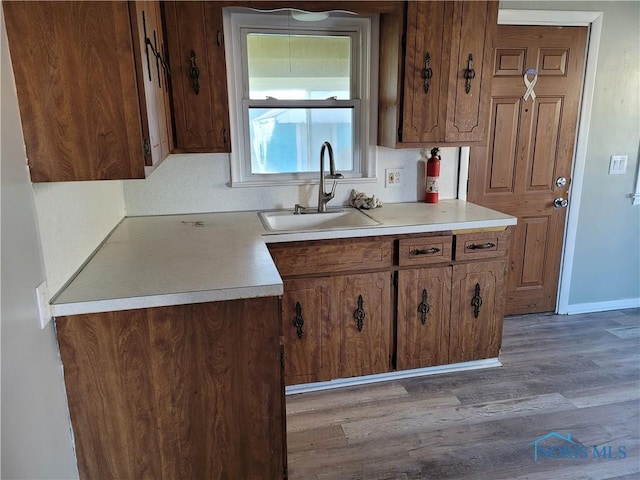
column 355, row 105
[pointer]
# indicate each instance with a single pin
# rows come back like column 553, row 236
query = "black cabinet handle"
column 426, row 73
column 299, row 321
column 359, row 314
column 428, row 251
column 476, row 301
column 424, row 307
column 482, row 246
column 469, row 74
column 194, row 73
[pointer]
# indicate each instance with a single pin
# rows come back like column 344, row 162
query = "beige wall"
column 36, row 436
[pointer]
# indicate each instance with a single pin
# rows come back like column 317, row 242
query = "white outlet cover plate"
column 393, row 177
column 44, row 309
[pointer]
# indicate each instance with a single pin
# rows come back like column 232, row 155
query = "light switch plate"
column 618, row 165
column 44, row 309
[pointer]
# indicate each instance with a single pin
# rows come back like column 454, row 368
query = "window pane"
column 299, row 67
column 287, row 140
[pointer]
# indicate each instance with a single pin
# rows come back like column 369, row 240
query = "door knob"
column 560, row 202
column 561, row 181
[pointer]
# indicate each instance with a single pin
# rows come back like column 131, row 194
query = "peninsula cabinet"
column 435, row 60
column 336, row 307
column 189, row 391
column 92, row 87
column 195, row 43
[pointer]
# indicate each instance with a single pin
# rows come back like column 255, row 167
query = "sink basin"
column 287, row 221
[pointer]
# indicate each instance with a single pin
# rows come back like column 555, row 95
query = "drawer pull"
column 423, row 307
column 476, row 301
column 428, row 251
column 299, row 321
column 359, row 314
column 483, row 246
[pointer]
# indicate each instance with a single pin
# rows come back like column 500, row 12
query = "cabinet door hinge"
column 146, row 146
column 285, row 473
column 400, row 133
column 282, row 360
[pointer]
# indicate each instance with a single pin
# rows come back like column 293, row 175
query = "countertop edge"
column 165, row 300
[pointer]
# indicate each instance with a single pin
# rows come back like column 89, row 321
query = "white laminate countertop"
column 179, row 259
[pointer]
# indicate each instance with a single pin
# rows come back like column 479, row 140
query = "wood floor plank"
column 575, row 374
column 309, row 402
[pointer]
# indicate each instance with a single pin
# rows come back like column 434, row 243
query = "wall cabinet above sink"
column 434, row 73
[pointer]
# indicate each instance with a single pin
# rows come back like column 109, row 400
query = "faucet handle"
column 333, row 189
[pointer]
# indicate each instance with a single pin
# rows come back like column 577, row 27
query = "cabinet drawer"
column 425, row 250
column 470, row 246
column 335, row 256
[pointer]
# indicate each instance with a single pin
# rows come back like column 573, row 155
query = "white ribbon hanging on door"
column 530, row 84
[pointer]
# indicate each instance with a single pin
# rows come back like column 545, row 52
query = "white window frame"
column 238, row 21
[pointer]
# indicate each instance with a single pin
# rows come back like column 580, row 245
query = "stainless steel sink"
column 343, row 218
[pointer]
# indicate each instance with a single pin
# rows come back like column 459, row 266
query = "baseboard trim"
column 384, row 377
column 602, row 306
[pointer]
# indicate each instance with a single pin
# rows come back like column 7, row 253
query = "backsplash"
column 195, row 183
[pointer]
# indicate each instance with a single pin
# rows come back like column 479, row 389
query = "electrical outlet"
column 618, row 165
column 44, row 309
column 393, row 177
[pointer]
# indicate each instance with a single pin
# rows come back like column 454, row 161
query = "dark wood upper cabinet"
column 195, row 44
column 435, row 74
column 88, row 107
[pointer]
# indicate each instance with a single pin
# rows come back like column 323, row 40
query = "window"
column 292, row 86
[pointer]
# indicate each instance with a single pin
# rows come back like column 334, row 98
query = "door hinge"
column 146, row 145
column 400, row 133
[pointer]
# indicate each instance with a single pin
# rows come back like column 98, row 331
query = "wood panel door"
column 362, row 308
column 306, row 328
column 477, row 308
column 424, row 309
column 200, row 108
column 529, row 152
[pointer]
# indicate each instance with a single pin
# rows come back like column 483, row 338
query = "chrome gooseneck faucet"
column 324, row 197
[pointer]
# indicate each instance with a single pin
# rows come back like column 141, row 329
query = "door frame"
column 592, row 20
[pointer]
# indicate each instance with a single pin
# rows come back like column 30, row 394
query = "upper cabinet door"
column 426, row 80
column 153, row 79
column 199, row 81
column 440, row 95
column 76, row 78
column 473, row 30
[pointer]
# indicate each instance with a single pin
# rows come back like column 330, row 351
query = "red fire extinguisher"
column 432, row 173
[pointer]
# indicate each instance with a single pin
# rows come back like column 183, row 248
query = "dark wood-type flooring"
column 577, row 375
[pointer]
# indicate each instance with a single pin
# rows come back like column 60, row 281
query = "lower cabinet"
column 188, row 391
column 362, row 309
column 307, row 330
column 336, row 326
column 343, row 323
column 424, row 311
column 477, row 306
